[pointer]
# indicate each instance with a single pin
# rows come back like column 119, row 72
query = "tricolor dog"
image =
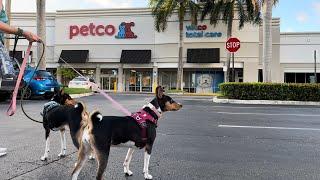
column 63, row 111
column 137, row 130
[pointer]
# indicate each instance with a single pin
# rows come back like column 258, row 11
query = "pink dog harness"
column 141, row 118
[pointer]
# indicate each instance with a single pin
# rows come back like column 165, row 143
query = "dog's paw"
column 128, row 173
column 43, row 158
column 126, row 170
column 61, row 155
column 147, row 176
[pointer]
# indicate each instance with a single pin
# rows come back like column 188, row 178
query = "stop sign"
column 233, row 44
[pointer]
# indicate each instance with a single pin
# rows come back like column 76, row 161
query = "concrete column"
column 250, row 71
column 59, row 74
column 155, row 78
column 120, row 79
column 98, row 75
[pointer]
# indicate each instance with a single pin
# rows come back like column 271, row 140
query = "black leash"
column 27, row 86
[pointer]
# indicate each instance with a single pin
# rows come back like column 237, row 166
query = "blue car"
column 42, row 83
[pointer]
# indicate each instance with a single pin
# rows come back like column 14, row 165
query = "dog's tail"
column 94, row 118
column 81, row 108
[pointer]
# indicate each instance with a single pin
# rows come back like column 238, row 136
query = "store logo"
column 125, row 31
column 199, row 31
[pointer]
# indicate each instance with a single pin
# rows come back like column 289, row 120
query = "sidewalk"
column 265, row 102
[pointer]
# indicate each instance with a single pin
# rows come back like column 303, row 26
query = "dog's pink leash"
column 115, row 103
column 119, row 106
column 13, row 105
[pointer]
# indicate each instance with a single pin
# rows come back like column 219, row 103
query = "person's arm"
column 13, row 30
column 1, row 5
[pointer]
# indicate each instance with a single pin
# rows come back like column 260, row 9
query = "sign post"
column 233, row 45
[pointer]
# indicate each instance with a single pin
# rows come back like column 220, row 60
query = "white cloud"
column 289, row 29
column 316, row 7
column 53, row 5
column 111, row 3
column 302, row 17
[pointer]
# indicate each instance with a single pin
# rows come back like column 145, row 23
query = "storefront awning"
column 208, row 55
column 74, row 56
column 135, row 56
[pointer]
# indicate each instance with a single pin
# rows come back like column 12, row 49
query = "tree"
column 267, row 39
column 67, row 74
column 248, row 11
column 162, row 10
column 41, row 31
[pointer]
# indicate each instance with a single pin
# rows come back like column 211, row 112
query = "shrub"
column 271, row 91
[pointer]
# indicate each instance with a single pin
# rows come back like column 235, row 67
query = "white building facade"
column 122, row 51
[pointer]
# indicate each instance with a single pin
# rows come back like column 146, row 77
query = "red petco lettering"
column 92, row 30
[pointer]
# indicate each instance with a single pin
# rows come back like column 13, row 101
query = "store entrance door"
column 139, row 81
column 135, row 81
column 108, row 83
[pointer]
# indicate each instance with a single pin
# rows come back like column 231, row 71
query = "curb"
column 81, row 95
column 264, row 102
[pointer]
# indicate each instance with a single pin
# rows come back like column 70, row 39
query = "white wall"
column 299, row 47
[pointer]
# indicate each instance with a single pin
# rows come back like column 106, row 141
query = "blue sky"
column 296, row 15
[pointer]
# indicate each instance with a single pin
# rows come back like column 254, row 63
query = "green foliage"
column 271, row 91
column 66, row 73
column 76, row 90
column 247, row 11
column 162, row 10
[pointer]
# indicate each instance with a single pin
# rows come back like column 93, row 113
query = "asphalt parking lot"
column 202, row 141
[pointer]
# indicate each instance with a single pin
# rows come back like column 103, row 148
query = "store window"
column 139, row 81
column 168, row 79
column 260, row 75
column 300, row 78
column 290, row 77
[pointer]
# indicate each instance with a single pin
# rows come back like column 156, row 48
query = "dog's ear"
column 159, row 92
column 61, row 91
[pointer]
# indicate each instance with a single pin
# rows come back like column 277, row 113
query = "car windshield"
column 43, row 74
column 79, row 79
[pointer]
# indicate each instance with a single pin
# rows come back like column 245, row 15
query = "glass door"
column 108, row 83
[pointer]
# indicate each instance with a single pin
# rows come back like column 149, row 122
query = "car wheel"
column 27, row 94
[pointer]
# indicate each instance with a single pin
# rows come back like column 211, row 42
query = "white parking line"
column 266, row 127
column 263, row 107
column 267, row 114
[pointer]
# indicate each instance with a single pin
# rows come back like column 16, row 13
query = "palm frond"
column 194, row 11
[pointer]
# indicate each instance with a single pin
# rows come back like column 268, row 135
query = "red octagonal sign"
column 233, row 44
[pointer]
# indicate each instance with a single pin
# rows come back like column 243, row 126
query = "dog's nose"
column 180, row 105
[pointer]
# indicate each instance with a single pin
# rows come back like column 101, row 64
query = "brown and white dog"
column 137, row 131
column 63, row 111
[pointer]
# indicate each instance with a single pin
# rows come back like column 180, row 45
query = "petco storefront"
column 120, row 50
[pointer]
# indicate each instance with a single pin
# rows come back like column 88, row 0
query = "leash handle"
column 13, row 105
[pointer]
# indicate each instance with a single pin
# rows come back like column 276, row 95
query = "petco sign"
column 124, row 30
column 199, row 31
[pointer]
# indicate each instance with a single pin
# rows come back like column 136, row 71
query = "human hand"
column 31, row 37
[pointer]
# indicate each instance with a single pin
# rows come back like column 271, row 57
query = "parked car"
column 82, row 82
column 43, row 83
column 8, row 82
